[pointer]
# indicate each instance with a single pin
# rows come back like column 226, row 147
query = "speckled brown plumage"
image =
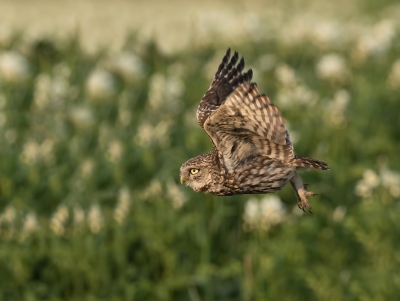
column 252, row 149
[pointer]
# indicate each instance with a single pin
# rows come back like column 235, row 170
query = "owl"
column 252, row 152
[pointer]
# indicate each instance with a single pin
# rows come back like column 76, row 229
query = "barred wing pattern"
column 246, row 125
column 227, row 78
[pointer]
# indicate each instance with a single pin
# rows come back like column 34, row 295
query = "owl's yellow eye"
column 194, row 171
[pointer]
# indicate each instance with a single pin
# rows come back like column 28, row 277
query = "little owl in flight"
column 252, row 150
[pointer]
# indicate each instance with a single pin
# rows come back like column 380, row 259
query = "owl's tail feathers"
column 306, row 162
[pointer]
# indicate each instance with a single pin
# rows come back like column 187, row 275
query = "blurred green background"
column 97, row 114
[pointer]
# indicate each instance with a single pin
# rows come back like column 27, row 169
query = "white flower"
column 272, row 211
column 332, row 67
column 153, row 190
column 100, row 84
column 391, row 180
column 33, row 152
column 377, row 41
column 371, row 178
column 50, row 90
column 366, row 185
column 339, row 213
column 337, row 107
column 340, row 100
column 165, row 92
column 114, row 151
column 128, row 65
column 122, row 208
column 9, row 215
column 286, row 75
column 251, row 212
column 363, row 190
column 95, row 218
column 264, row 214
column 81, row 117
column 30, row 153
column 14, row 67
column 59, row 220
column 47, row 150
column 30, row 225
column 394, row 75
column 42, row 87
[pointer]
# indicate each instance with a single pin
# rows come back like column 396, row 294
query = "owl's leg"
column 301, row 192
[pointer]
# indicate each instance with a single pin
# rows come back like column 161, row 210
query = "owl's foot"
column 301, row 192
column 303, row 203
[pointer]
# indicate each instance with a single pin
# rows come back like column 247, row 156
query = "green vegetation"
column 91, row 146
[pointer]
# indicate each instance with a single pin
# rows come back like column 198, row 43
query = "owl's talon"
column 306, row 186
column 303, row 205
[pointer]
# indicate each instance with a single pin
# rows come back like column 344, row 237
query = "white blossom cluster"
column 61, row 220
column 14, row 68
column 34, row 152
column 371, row 180
column 263, row 214
column 332, row 67
column 8, row 224
column 376, row 40
column 124, row 202
column 292, row 90
column 337, row 107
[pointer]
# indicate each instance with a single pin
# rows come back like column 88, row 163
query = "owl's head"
column 196, row 173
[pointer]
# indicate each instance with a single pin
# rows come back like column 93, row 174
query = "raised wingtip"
column 250, row 74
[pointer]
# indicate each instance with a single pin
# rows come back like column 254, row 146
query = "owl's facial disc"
column 189, row 174
column 195, row 175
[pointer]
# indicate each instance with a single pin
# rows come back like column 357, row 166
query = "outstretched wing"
column 227, row 78
column 246, row 125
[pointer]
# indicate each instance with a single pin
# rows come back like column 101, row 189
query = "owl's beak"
column 182, row 179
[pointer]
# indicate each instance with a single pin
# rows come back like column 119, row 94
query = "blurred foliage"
column 91, row 146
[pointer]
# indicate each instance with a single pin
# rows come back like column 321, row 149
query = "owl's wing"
column 247, row 124
column 227, row 78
